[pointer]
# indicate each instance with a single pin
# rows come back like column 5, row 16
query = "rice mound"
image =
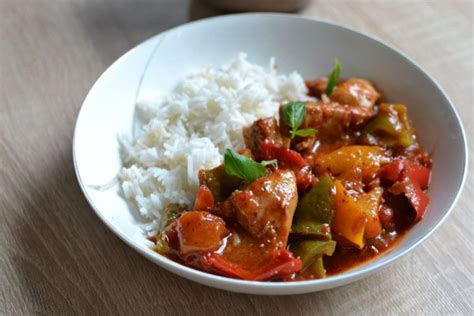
column 192, row 126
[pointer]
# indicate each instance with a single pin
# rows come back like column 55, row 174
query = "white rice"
column 193, row 125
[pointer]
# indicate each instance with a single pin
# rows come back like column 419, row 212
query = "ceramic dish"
column 305, row 45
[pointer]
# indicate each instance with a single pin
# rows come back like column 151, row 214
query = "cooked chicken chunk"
column 333, row 116
column 316, row 86
column 200, row 232
column 356, row 93
column 353, row 91
column 266, row 207
column 258, row 132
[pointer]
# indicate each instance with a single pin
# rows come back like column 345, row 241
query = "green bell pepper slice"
column 317, row 268
column 173, row 211
column 220, row 183
column 311, row 254
column 315, row 211
column 390, row 128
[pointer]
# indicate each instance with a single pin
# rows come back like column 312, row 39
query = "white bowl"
column 306, row 45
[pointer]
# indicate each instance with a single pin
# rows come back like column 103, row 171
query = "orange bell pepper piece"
column 370, row 202
column 350, row 219
column 353, row 162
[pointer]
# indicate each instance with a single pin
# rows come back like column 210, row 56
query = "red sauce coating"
column 379, row 175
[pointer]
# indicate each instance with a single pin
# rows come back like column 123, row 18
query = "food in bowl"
column 254, row 175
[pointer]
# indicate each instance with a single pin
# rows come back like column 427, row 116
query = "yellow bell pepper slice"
column 353, row 162
column 370, row 203
column 350, row 219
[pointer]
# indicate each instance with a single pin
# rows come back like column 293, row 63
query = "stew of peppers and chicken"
column 326, row 186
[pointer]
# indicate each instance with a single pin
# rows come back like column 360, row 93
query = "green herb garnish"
column 293, row 116
column 268, row 162
column 333, row 78
column 244, row 167
column 306, row 132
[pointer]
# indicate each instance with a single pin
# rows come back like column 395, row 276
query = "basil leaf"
column 268, row 162
column 242, row 167
column 293, row 116
column 333, row 78
column 306, row 132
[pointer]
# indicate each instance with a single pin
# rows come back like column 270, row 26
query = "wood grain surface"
column 56, row 255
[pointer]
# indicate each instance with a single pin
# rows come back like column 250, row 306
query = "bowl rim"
column 221, row 281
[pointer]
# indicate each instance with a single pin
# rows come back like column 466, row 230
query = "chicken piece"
column 289, row 160
column 316, row 87
column 266, row 207
column 252, row 244
column 356, row 93
column 203, row 241
column 200, row 232
column 260, row 131
column 333, row 119
column 265, row 139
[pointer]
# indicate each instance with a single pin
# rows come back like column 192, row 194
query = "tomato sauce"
column 309, row 199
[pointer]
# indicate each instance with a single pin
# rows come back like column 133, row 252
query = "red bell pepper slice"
column 410, row 179
column 289, row 159
column 417, row 173
column 282, row 265
column 418, row 199
column 198, row 238
column 392, row 170
column 204, row 199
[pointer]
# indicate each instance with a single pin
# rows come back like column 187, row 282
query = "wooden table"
column 56, row 255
